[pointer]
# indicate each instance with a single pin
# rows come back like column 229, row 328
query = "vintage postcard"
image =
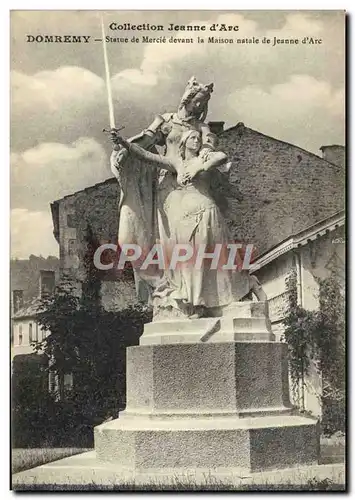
column 178, row 250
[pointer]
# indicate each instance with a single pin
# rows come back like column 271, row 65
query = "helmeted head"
column 195, row 98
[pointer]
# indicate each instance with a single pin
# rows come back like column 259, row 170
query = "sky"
column 295, row 93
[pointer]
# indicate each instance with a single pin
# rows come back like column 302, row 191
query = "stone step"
column 179, row 326
column 247, row 309
column 209, row 414
column 254, row 336
column 193, row 337
column 226, row 328
column 251, row 443
column 85, row 472
column 236, row 325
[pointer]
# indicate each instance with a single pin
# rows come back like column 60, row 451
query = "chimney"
column 216, row 127
column 46, row 283
column 17, row 300
column 334, row 154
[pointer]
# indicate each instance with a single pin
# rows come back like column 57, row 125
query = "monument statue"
column 175, row 198
column 207, row 387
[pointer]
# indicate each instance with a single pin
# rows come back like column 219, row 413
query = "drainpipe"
column 298, row 259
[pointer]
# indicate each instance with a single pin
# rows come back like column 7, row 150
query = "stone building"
column 285, row 189
column 29, row 279
column 280, row 185
column 25, row 328
column 82, row 221
column 25, row 278
column 314, row 253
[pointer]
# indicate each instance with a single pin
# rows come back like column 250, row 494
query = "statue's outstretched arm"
column 157, row 160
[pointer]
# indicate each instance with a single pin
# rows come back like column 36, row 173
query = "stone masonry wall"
column 285, row 188
column 93, row 214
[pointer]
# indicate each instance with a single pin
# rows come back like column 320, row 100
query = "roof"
column 300, row 239
column 55, row 204
column 88, row 188
column 29, row 310
column 240, row 127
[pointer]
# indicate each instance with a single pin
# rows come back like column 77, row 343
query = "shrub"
column 319, row 337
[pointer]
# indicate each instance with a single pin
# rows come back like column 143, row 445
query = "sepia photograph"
column 178, row 250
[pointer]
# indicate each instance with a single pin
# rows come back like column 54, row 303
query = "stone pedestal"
column 209, row 394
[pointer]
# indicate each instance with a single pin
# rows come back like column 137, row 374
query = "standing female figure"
column 197, row 221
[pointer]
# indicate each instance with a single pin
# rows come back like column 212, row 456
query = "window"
column 37, row 339
column 47, row 282
column 20, row 336
column 68, row 381
column 30, row 332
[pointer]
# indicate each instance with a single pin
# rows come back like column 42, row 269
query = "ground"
column 27, row 458
column 327, row 477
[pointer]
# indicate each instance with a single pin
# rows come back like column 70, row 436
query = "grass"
column 27, row 458
column 180, row 485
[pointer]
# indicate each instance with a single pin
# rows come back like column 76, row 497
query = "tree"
column 59, row 315
column 330, row 343
column 90, row 343
column 300, row 325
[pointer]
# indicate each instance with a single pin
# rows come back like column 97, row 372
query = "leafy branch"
column 318, row 337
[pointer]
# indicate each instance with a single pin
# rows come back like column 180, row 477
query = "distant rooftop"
column 29, row 310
